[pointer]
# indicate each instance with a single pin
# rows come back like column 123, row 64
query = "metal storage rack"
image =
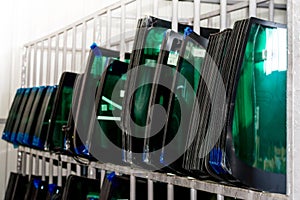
column 68, row 47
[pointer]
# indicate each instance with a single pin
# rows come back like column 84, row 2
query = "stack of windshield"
column 43, row 117
column 105, row 140
column 60, row 113
column 85, row 93
column 259, row 116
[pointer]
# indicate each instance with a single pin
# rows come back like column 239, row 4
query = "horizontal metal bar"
column 230, row 8
column 2, row 121
column 212, row 187
column 127, row 17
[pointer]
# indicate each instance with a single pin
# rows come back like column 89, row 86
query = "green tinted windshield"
column 259, row 126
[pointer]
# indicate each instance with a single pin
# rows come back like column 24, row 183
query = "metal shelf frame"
column 44, row 59
column 170, row 179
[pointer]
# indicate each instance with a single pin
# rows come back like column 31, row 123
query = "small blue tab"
column 111, row 176
column 187, row 32
column 6, row 136
column 36, row 183
column 20, row 137
column 26, row 139
column 85, row 150
column 37, row 142
column 215, row 161
column 52, row 188
column 93, row 46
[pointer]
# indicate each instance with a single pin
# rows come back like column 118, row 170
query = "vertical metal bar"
column 37, row 164
column 64, row 58
column 293, row 99
column 175, row 15
column 95, row 27
column 83, row 50
column 155, row 8
column 48, row 61
column 197, row 12
column 51, row 170
column 78, row 170
column 29, row 67
column 193, row 194
column 43, row 167
column 223, row 14
column 19, row 161
column 59, row 173
column 170, row 191
column 41, row 64
column 132, row 187
column 91, row 172
column 150, row 190
column 103, row 173
column 56, row 59
column 123, row 21
column 220, row 197
column 30, row 167
column 24, row 66
column 34, row 68
column 271, row 10
column 24, row 163
column 252, row 8
column 69, row 168
column 73, row 62
column 209, row 22
column 108, row 28
column 138, row 9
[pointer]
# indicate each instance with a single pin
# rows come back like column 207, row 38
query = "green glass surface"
column 148, row 61
column 259, row 125
column 189, row 70
column 62, row 116
column 110, row 107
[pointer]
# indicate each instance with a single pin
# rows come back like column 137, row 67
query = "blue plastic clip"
column 52, row 188
column 215, row 161
column 111, row 176
column 36, row 183
column 93, row 46
column 187, row 32
column 96, row 50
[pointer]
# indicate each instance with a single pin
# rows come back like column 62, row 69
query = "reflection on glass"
column 259, row 126
column 85, row 93
column 60, row 112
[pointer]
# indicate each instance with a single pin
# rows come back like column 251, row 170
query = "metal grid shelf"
column 49, row 45
column 170, row 179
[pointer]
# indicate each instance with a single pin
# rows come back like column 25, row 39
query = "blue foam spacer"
column 19, row 138
column 187, row 32
column 111, row 176
column 93, row 46
column 6, row 136
column 51, row 188
column 26, row 139
column 215, row 161
column 36, row 183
